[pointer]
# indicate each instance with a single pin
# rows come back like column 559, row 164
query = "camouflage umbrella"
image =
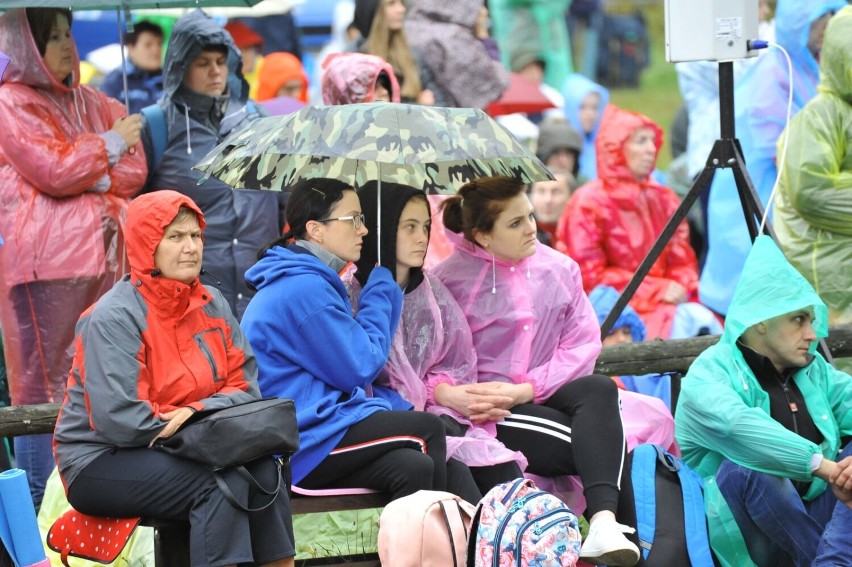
column 435, row 149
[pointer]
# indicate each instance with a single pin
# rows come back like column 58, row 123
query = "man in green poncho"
column 763, row 417
column 813, row 208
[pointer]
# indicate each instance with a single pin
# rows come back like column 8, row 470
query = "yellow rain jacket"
column 813, row 208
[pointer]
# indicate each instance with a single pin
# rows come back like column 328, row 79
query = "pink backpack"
column 428, row 528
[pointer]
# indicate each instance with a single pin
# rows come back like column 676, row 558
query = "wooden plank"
column 676, row 355
column 313, row 504
column 637, row 358
column 27, row 420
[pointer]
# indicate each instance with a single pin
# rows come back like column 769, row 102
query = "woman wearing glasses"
column 310, row 348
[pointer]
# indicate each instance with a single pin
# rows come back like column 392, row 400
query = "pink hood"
column 538, row 326
column 349, row 78
column 27, row 66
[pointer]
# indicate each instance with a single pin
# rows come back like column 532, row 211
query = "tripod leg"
column 700, row 184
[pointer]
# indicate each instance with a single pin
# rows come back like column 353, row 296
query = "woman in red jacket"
column 611, row 223
column 152, row 351
column 67, row 172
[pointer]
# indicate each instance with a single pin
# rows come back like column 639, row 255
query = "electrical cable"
column 783, row 154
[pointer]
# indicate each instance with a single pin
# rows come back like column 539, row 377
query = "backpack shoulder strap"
column 694, row 519
column 155, row 119
column 643, row 476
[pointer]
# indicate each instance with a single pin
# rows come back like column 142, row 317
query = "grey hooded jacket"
column 239, row 223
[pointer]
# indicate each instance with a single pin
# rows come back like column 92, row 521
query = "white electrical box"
column 710, row 30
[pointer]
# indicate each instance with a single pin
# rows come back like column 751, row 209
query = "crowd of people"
column 464, row 352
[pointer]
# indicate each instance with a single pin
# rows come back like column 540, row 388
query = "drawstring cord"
column 493, row 274
column 77, row 108
column 188, row 141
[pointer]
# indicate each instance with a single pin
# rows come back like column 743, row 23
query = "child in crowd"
column 432, row 360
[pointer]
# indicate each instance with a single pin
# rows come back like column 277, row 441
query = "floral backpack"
column 517, row 524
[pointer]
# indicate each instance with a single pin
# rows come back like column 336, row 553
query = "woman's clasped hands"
column 485, row 401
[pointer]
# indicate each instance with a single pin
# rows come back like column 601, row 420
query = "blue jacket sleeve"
column 347, row 352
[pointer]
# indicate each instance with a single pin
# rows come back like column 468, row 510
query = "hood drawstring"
column 188, row 141
column 742, row 374
column 77, row 108
column 493, row 274
column 243, row 110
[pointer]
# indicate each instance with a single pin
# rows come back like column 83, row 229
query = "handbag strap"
column 243, row 472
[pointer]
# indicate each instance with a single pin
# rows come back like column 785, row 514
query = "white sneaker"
column 606, row 545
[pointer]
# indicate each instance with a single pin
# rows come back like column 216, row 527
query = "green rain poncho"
column 813, row 208
column 723, row 413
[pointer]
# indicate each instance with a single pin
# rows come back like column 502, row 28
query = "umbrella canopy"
column 230, row 9
column 522, row 96
column 435, row 149
column 124, row 4
column 4, row 61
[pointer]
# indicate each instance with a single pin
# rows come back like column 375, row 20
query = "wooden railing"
column 637, row 358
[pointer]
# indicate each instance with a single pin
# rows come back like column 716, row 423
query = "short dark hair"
column 309, row 200
column 144, row 27
column 478, row 204
column 383, row 80
column 41, row 21
column 217, row 47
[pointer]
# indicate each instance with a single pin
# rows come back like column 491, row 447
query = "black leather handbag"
column 230, row 437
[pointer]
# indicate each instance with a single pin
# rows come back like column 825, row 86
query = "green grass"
column 658, row 96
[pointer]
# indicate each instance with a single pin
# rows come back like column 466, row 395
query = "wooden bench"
column 673, row 356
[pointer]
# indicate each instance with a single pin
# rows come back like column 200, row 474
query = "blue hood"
column 574, row 90
column 793, row 19
column 603, row 299
column 293, row 260
column 190, row 35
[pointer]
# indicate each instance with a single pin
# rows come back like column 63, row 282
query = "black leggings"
column 399, row 452
column 577, row 431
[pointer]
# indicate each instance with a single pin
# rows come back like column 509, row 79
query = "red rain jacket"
column 610, row 224
column 149, row 346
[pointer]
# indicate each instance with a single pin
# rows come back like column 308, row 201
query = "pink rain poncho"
column 65, row 183
column 537, row 326
column 433, row 346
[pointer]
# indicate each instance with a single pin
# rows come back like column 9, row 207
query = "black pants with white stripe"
column 399, row 452
column 577, row 431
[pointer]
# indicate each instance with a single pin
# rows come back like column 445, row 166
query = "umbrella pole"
column 379, row 217
column 121, row 40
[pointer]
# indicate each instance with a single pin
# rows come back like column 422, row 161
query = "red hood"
column 27, row 66
column 147, row 217
column 616, row 127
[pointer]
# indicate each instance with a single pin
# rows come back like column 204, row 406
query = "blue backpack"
column 155, row 120
column 670, row 516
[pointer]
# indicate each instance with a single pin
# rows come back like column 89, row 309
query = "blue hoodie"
column 574, row 90
column 310, row 348
column 760, row 101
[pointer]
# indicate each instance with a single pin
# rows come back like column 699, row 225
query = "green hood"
column 836, row 63
column 769, row 287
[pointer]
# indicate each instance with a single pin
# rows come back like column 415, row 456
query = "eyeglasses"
column 357, row 220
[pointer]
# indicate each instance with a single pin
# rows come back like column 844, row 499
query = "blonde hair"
column 393, row 48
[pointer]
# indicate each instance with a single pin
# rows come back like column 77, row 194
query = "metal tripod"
column 726, row 153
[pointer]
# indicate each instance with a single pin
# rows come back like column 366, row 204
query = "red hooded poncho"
column 611, row 223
